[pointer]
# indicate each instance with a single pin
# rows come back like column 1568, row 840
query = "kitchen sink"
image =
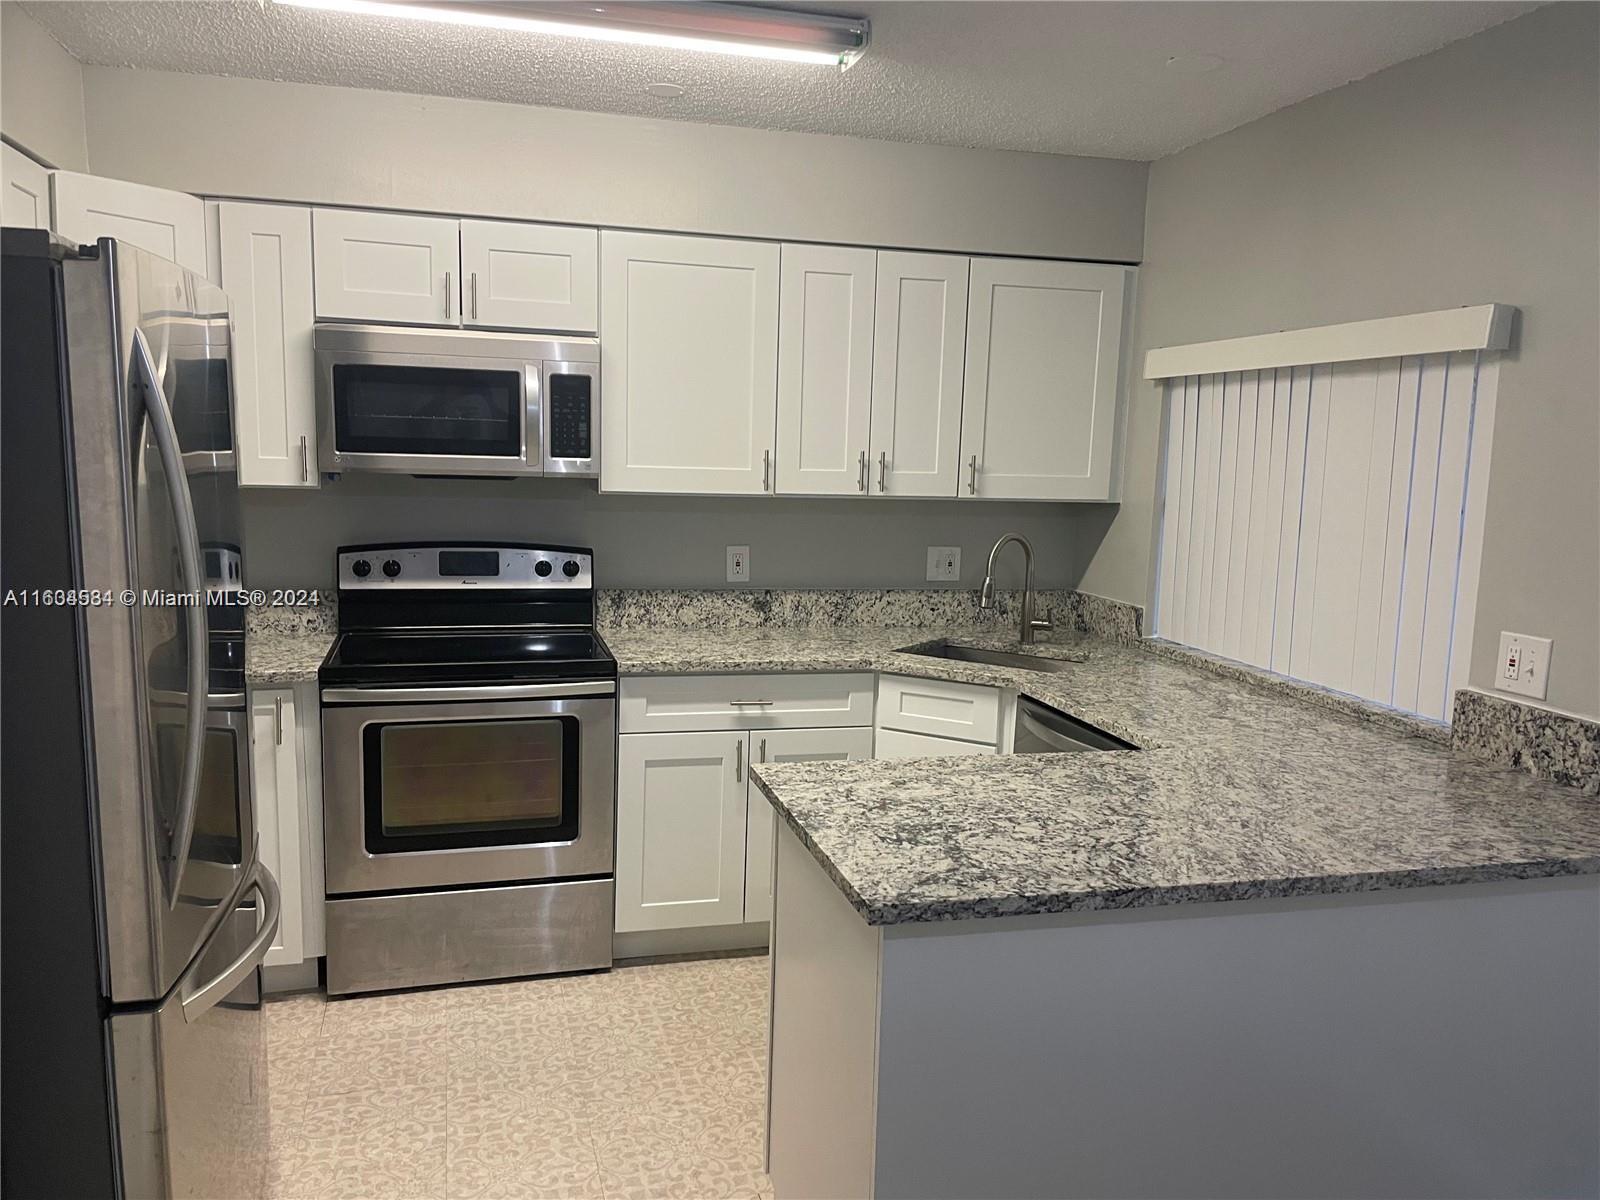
column 992, row 658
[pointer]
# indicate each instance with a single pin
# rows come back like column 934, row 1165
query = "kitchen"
column 658, row 512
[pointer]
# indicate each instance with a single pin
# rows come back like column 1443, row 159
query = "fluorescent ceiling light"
column 742, row 29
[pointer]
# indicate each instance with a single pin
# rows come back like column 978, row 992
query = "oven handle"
column 506, row 691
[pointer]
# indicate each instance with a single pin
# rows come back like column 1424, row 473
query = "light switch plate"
column 944, row 563
column 1524, row 666
column 738, row 564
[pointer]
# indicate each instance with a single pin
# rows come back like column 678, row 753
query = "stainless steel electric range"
column 469, row 766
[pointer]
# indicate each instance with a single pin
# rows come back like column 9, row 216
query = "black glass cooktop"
column 466, row 656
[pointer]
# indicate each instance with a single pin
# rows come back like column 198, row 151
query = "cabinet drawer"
column 939, row 708
column 894, row 744
column 670, row 703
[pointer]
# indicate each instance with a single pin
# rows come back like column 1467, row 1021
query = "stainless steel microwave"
column 456, row 402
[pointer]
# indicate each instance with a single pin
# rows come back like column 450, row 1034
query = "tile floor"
column 648, row 1081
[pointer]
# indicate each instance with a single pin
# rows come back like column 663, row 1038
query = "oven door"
column 426, row 792
column 427, row 414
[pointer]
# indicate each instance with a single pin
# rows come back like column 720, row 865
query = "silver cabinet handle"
column 474, row 295
column 766, row 470
column 305, row 460
column 447, row 295
column 972, row 483
column 883, row 470
column 861, row 479
column 738, row 761
column 277, row 720
column 750, row 703
column 189, row 563
column 763, row 749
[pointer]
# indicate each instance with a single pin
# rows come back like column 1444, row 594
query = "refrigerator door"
column 140, row 367
column 191, row 1074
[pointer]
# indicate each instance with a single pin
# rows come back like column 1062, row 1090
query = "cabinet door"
column 275, row 784
column 894, row 743
column 920, row 336
column 825, row 305
column 375, row 266
column 680, row 829
column 1044, row 344
column 171, row 224
column 689, row 352
column 530, row 276
column 25, row 201
column 786, row 745
column 266, row 271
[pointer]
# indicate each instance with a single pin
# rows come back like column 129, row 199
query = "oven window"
column 441, row 785
column 426, row 410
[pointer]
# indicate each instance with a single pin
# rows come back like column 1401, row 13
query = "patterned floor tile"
column 643, row 1082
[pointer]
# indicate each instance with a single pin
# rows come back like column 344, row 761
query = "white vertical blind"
column 1315, row 521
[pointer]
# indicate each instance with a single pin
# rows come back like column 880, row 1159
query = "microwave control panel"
column 571, row 416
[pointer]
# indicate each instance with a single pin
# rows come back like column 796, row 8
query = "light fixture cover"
column 748, row 30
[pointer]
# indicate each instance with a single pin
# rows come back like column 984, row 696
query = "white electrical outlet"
column 738, row 564
column 944, row 563
column 1524, row 665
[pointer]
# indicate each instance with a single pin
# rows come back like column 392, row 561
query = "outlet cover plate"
column 944, row 564
column 738, row 564
column 1524, row 666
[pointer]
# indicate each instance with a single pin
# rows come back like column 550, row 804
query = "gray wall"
column 1466, row 176
column 41, row 93
column 301, row 142
column 654, row 541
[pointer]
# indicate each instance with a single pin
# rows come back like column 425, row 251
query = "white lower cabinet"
column 779, row 746
column 896, row 743
column 680, row 829
column 285, row 769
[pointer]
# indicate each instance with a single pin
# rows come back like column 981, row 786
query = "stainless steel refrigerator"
column 135, row 912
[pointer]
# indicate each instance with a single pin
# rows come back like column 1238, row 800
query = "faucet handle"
column 1045, row 623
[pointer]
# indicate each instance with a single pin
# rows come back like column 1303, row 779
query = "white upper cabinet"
column 265, row 254
column 530, row 276
column 171, row 224
column 378, row 266
column 825, row 308
column 25, row 201
column 689, row 353
column 921, row 330
column 1044, row 344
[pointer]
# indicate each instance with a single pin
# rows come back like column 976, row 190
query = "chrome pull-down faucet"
column 1030, row 624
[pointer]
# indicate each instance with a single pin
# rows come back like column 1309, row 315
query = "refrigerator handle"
column 201, row 1000
column 166, row 434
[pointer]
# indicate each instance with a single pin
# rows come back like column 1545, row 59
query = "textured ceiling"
column 1058, row 77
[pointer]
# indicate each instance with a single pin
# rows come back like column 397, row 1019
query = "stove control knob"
column 391, row 568
column 542, row 568
column 569, row 568
column 361, row 568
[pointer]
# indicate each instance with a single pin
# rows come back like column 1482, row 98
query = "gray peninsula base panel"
column 1439, row 1042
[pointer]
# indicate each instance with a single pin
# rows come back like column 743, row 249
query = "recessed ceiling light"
column 740, row 29
column 667, row 91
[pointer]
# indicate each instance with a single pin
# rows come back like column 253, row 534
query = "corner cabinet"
column 1043, row 352
column 921, row 331
column 265, row 255
column 85, row 208
column 25, row 201
column 689, row 354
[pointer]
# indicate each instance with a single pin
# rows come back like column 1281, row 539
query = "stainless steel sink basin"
column 992, row 658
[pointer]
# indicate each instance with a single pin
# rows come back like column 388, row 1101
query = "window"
column 1323, row 521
